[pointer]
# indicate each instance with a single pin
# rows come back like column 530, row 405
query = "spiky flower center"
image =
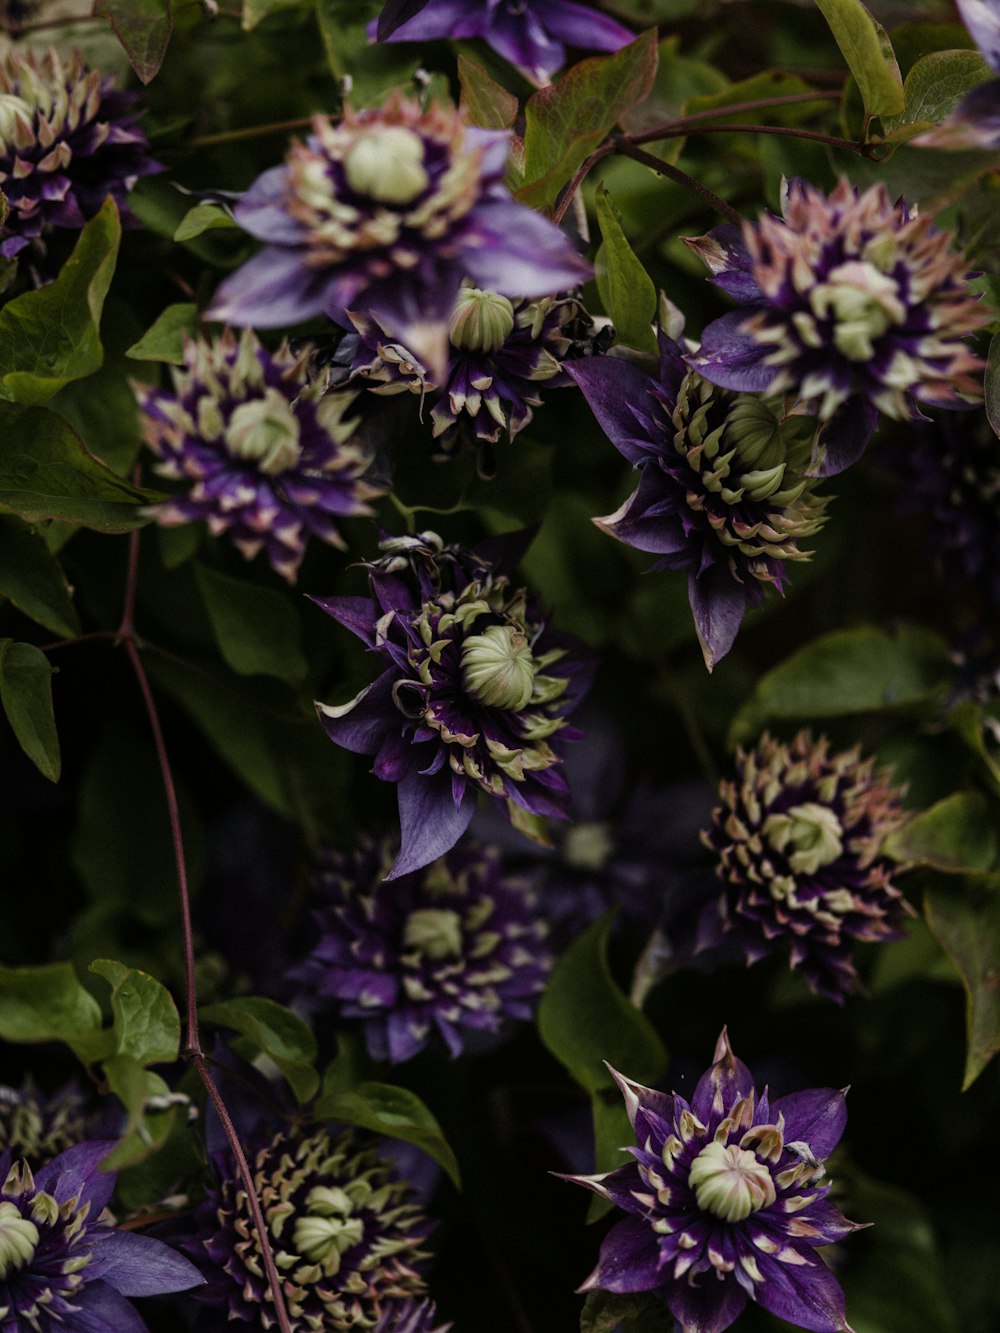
column 481, row 321
column 730, row 1182
column 329, row 1227
column 266, row 431
column 18, row 1239
column 863, row 303
column 498, row 668
column 434, row 933
column 386, row 163
column 15, row 114
column 810, row 835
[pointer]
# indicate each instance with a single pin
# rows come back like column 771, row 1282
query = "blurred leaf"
column 146, row 1023
column 608, row 1312
column 143, row 27
column 26, row 693
column 868, row 52
column 767, row 84
column 585, row 1019
column 144, row 1132
column 33, row 579
column 397, row 1112
column 967, row 926
column 51, row 335
column 164, row 339
column 957, row 835
column 849, row 671
column 46, row 471
column 626, row 289
column 484, row 101
column 371, row 66
column 276, row 1032
column 933, row 88
column 257, row 629
column 255, row 10
column 202, row 218
column 565, row 122
column 48, row 1003
column 679, row 78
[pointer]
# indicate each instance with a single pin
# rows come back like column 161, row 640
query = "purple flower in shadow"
column 725, row 1202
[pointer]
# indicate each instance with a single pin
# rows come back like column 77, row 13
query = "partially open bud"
column 497, row 668
column 18, row 1239
column 810, row 835
column 481, row 321
column 266, row 430
column 387, row 164
column 730, row 1182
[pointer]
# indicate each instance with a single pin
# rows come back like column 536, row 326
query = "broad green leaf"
column 143, row 27
column 33, row 579
column 849, row 671
column 609, row 1312
column 51, row 335
column 585, row 1019
column 48, row 1003
column 625, row 287
column 565, row 122
column 386, row 1109
column 256, row 628
column 146, row 1023
column 484, row 102
column 966, row 923
column 767, row 84
column 26, row 694
column 275, row 1031
column 202, row 218
column 933, row 88
column 958, row 835
column 372, row 66
column 145, row 1131
column 164, row 339
column 868, row 52
column 991, row 384
column 46, row 471
column 255, row 10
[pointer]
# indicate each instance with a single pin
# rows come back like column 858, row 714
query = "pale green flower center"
column 266, row 431
column 481, row 321
column 864, row 303
column 18, row 1239
column 730, row 1182
column 328, row 1229
column 14, row 112
column 435, row 932
column 810, row 836
column 497, row 668
column 386, row 163
column 588, row 846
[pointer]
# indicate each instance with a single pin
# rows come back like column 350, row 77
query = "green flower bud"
column 18, row 1239
column 730, row 1183
column 810, row 835
column 265, row 429
column 498, row 669
column 481, row 321
column 386, row 163
column 434, row 932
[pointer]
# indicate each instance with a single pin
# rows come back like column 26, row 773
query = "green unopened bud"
column 386, row 163
column 863, row 301
column 18, row 1239
column 752, row 428
column 265, row 430
column 481, row 321
column 730, row 1182
column 497, row 668
column 320, row 1238
column 810, row 835
column 434, row 932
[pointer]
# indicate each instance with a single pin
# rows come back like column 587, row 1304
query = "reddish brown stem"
column 673, row 173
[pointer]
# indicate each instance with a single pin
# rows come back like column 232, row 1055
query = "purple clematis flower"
column 850, row 304
column 473, row 696
column 456, row 947
column 532, row 34
column 975, row 122
column 64, row 1268
column 725, row 1202
column 388, row 211
column 37, row 1127
column 723, row 492
column 67, row 140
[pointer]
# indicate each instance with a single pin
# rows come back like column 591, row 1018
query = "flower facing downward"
column 456, row 946
column 345, row 1232
column 64, row 1267
column 851, row 304
column 726, row 1202
column 799, row 839
column 473, row 696
column 268, row 457
column 67, row 139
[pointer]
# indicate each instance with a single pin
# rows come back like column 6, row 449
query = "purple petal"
column 723, row 250
column 103, row 1310
column 974, row 123
column 263, row 210
column 617, row 1185
column 520, row 253
column 629, row 1259
column 430, row 822
column 77, row 1171
column 982, row 18
column 648, row 528
column 360, row 725
column 616, row 391
column 728, row 1080
column 358, row 614
column 271, row 290
column 843, row 439
column 806, row 1294
column 139, row 1265
column 578, row 26
column 431, row 22
column 708, row 1307
column 732, row 358
column 639, row 1099
column 718, row 604
column 395, row 14
column 817, row 1117
column 518, row 36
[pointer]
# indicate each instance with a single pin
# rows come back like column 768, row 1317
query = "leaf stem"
column 707, row 196
column 251, row 132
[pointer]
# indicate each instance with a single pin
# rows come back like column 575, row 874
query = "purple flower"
column 268, row 456
column 799, row 843
column 722, row 489
column 454, row 946
column 37, row 1127
column 473, row 695
column 850, row 304
column 67, row 140
column 63, row 1265
column 725, row 1202
column 387, row 212
column 345, row 1231
column 411, row 1316
column 532, row 34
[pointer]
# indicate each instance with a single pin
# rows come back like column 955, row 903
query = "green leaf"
column 33, row 579
column 933, row 88
column 565, row 122
column 868, row 52
column 967, row 926
column 386, row 1109
column 26, row 693
column 51, row 335
column 849, row 671
column 608, row 1312
column 46, row 471
column 256, row 10
column 202, row 218
column 484, row 102
column 48, row 1003
column 257, row 629
column 276, row 1032
column 958, row 835
column 144, row 1132
column 143, row 27
column 164, row 339
column 146, row 1023
column 626, row 289
column 585, row 1019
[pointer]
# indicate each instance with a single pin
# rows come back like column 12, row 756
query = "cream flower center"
column 730, row 1183
column 328, row 1229
column 386, row 163
column 18, row 1239
column 864, row 303
column 810, row 835
column 435, row 932
column 497, row 668
column 265, row 431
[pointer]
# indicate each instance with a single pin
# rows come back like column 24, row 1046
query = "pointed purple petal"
column 360, row 725
column 520, row 253
column 396, row 13
column 430, row 823
column 271, row 290
column 817, row 1117
column 77, row 1171
column 806, row 1294
column 732, row 358
column 629, row 1259
column 724, row 1083
column 843, row 439
column 578, row 26
column 617, row 393
column 358, row 614
column 139, row 1265
column 103, row 1310
column 718, row 604
column 263, row 210
column 707, row 1305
